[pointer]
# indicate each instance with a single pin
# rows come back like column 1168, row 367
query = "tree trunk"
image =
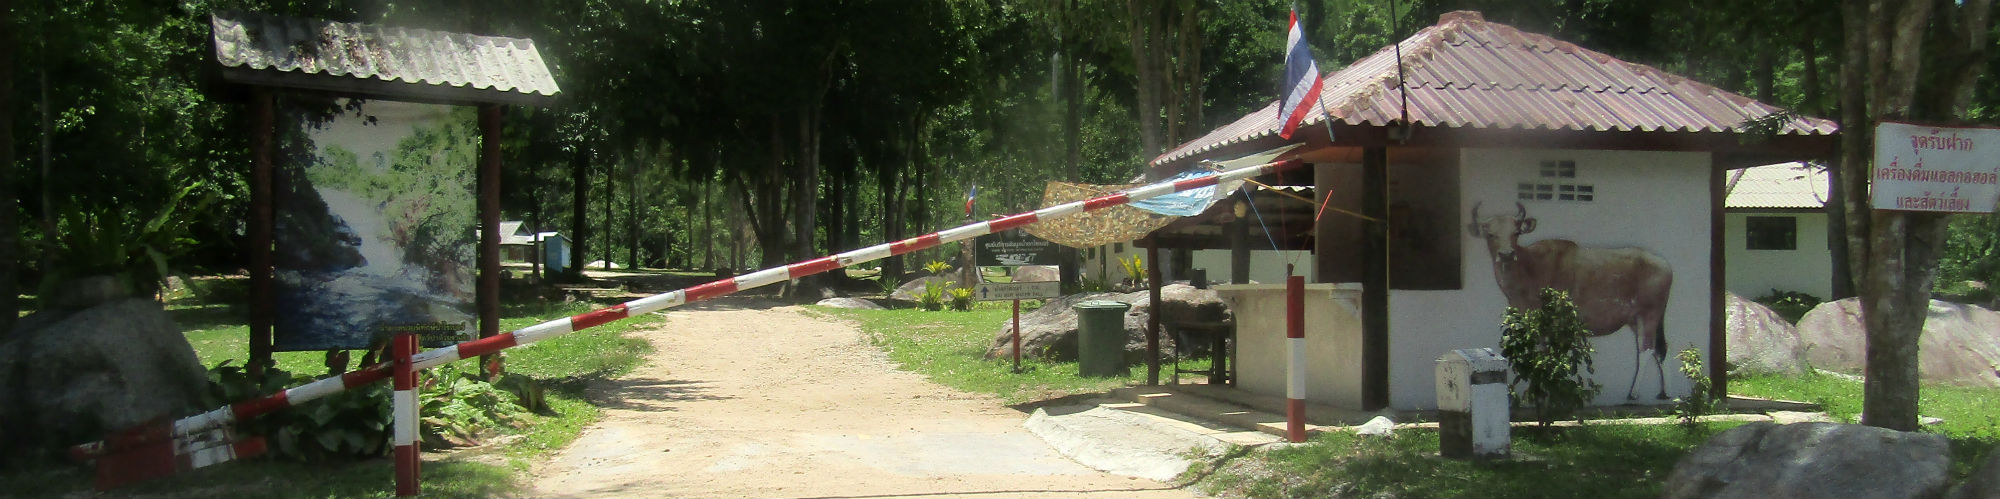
column 10, row 200
column 1144, row 25
column 610, row 192
column 579, row 223
column 707, row 223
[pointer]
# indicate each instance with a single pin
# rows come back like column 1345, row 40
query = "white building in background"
column 1775, row 229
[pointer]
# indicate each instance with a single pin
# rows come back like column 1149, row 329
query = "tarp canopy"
column 1136, row 220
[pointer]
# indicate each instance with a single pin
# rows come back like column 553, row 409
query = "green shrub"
column 459, row 407
column 1792, row 305
column 351, row 424
column 933, row 296
column 1698, row 403
column 937, row 267
column 961, row 299
column 1135, row 272
column 1549, row 351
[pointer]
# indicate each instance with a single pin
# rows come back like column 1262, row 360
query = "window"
column 1552, row 187
column 1771, row 233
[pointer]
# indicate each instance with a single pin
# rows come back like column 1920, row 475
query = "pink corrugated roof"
column 1466, row 72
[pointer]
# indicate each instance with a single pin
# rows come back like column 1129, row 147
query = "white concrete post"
column 1472, row 404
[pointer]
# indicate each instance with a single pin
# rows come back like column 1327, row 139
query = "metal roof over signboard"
column 1780, row 186
column 380, row 61
column 1466, row 72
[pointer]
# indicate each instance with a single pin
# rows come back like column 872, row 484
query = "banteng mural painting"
column 1614, row 288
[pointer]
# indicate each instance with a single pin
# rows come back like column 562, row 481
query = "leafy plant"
column 888, row 285
column 459, row 407
column 933, row 296
column 961, row 299
column 1549, row 351
column 1699, row 402
column 1135, row 272
column 1792, row 305
column 937, row 267
column 350, row 424
column 129, row 243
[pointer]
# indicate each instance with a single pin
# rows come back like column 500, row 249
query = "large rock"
column 1984, row 482
column 1813, row 460
column 1187, row 315
column 854, row 303
column 67, row 377
column 1960, row 343
column 1038, row 273
column 1761, row 341
column 910, row 290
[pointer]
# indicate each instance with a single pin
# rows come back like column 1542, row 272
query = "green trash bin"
column 1100, row 338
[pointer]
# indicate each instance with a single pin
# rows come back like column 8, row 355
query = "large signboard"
column 374, row 227
column 1927, row 168
column 1015, row 248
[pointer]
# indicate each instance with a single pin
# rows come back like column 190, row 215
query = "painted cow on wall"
column 1613, row 288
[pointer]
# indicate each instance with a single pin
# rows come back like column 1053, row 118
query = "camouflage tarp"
column 1116, row 224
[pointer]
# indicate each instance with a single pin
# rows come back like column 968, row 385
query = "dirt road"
column 740, row 401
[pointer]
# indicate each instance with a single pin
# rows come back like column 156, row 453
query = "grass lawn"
column 949, row 347
column 564, row 365
column 1599, row 460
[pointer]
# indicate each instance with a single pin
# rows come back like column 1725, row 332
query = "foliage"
column 1792, row 305
column 1699, row 402
column 1549, row 351
column 933, row 296
column 888, row 285
column 459, row 407
column 937, row 267
column 961, row 299
column 351, row 424
column 1135, row 272
column 132, row 244
column 1969, row 268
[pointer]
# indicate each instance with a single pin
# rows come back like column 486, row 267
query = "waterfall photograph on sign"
column 374, row 227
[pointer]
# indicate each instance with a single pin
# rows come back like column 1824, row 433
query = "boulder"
column 1813, row 460
column 1960, row 343
column 1188, row 315
column 1761, row 341
column 910, row 290
column 71, row 376
column 855, row 303
column 1984, row 483
column 1038, row 273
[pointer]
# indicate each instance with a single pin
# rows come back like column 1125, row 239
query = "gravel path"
column 744, row 400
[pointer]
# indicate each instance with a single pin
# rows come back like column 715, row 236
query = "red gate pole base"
column 408, row 457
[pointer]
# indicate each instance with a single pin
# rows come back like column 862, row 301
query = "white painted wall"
column 1658, row 201
column 1754, row 273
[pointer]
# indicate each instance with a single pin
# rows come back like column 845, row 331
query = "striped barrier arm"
column 298, row 395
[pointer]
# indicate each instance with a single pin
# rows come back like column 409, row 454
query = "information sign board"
column 1927, row 168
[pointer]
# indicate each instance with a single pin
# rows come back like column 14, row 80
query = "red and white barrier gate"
column 247, row 409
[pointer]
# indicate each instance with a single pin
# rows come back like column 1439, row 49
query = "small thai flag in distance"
column 969, row 196
column 1301, row 80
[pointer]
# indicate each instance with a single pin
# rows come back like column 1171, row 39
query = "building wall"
column 1266, row 266
column 1754, row 273
column 1655, row 201
column 1332, row 339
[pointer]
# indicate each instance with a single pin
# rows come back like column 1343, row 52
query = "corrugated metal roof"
column 1783, row 185
column 1466, row 72
column 383, row 54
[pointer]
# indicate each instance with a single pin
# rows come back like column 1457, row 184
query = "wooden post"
column 1017, row 336
column 1718, row 305
column 489, row 231
column 1375, row 280
column 262, row 296
column 1153, row 317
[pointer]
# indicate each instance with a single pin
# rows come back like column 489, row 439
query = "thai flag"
column 1301, row 80
column 969, row 196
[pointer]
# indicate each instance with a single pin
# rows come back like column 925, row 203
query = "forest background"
column 707, row 134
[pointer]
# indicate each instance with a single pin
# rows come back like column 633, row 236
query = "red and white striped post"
column 408, row 456
column 1295, row 366
column 436, row 357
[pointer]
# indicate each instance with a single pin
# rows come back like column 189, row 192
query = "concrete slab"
column 1131, row 439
